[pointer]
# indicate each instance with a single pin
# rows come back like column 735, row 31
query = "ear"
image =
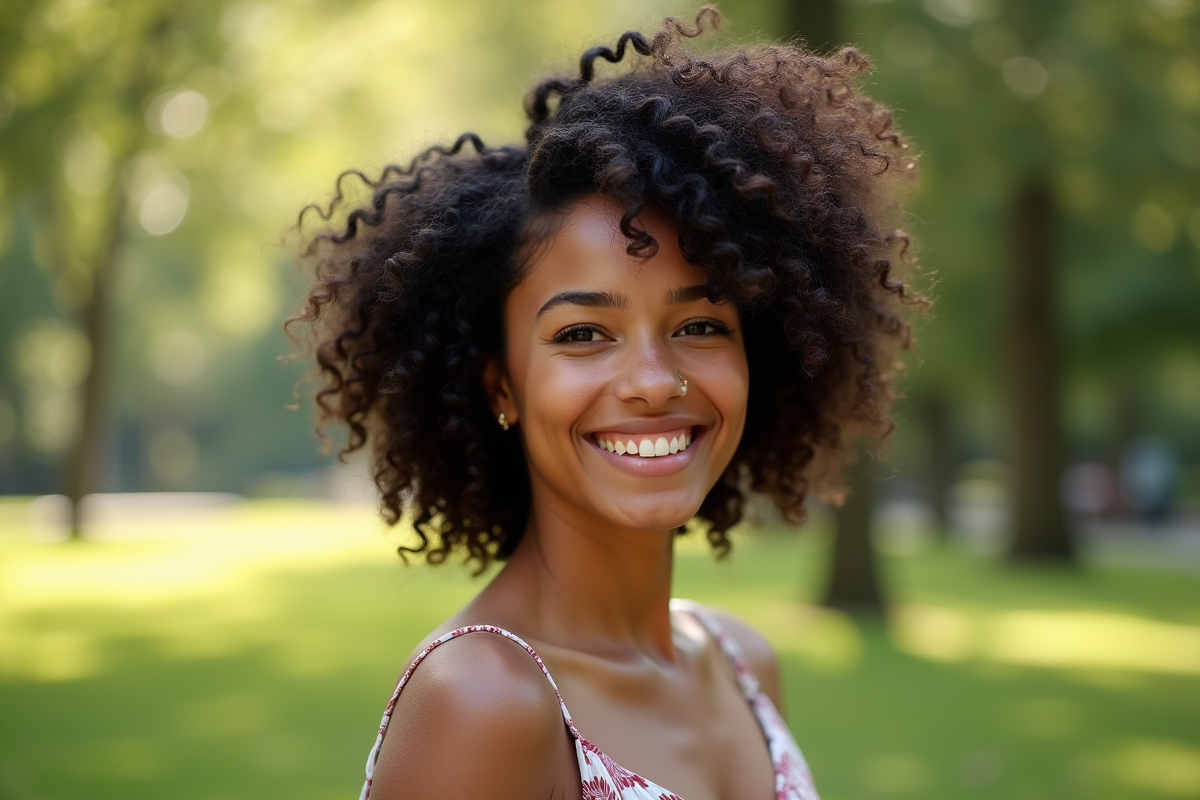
column 498, row 387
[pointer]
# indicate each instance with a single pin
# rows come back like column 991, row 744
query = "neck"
column 592, row 587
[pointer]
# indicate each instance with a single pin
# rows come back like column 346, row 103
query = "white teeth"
column 647, row 448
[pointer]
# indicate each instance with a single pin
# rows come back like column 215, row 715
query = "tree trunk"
column 854, row 583
column 853, row 571
column 941, row 459
column 85, row 453
column 1125, row 429
column 1040, row 529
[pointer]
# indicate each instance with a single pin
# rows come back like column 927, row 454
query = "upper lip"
column 641, row 425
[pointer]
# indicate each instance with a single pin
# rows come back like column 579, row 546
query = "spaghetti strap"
column 747, row 680
column 602, row 777
column 793, row 781
column 454, row 634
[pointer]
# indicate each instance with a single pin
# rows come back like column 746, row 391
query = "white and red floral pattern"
column 602, row 778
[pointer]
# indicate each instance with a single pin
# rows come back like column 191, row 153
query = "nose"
column 648, row 375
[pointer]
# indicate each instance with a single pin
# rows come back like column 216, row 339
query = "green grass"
column 250, row 656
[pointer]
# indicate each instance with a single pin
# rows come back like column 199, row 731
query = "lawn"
column 248, row 652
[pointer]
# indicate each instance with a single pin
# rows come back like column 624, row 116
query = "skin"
column 596, row 341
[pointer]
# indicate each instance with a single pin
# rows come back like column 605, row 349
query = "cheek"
column 725, row 381
column 552, row 393
column 731, row 393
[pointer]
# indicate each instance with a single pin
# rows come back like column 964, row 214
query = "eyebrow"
column 686, row 294
column 585, row 299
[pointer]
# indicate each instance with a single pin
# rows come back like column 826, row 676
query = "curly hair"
column 781, row 179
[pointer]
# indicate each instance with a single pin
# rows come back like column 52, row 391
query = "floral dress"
column 604, row 779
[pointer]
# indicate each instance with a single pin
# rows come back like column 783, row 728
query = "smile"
column 644, row 445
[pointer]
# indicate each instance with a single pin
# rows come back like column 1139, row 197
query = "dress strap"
column 729, row 645
column 454, row 634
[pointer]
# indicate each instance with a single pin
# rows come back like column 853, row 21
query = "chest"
column 692, row 732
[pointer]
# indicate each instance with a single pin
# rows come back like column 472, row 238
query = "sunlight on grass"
column 824, row 639
column 1165, row 767
column 1051, row 639
column 215, row 566
column 247, row 651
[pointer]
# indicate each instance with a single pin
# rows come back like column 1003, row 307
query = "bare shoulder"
column 477, row 699
column 759, row 653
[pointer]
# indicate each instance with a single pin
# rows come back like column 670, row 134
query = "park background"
column 194, row 602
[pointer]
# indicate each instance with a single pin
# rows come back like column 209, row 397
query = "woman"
column 676, row 292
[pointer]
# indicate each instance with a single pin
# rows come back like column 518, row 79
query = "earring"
column 682, row 384
column 503, row 421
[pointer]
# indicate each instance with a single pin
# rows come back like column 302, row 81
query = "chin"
column 652, row 514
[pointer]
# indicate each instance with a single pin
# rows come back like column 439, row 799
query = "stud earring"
column 503, row 421
column 682, row 384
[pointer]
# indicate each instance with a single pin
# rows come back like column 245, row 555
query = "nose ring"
column 682, row 384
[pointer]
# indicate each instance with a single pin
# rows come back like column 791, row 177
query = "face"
column 596, row 344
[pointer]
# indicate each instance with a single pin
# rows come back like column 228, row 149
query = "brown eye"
column 704, row 329
column 579, row 334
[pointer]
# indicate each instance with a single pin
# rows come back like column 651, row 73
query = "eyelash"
column 564, row 336
column 719, row 329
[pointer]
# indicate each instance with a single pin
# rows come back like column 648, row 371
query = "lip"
column 643, row 425
column 650, row 467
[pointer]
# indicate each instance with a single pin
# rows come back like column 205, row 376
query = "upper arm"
column 476, row 719
column 758, row 652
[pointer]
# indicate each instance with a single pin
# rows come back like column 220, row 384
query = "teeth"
column 647, row 448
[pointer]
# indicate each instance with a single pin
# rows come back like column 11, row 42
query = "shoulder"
column 477, row 699
column 758, row 651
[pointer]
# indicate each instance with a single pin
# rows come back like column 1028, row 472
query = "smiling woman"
column 678, row 291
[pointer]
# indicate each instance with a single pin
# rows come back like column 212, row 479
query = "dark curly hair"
column 780, row 178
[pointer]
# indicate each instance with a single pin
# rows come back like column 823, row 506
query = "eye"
column 704, row 327
column 579, row 334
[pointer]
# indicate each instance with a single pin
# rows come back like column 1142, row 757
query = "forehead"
column 588, row 252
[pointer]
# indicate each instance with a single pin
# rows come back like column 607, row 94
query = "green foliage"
column 1104, row 97
column 204, row 127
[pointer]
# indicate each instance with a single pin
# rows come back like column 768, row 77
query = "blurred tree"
column 854, row 573
column 192, row 133
column 854, row 581
column 1060, row 155
column 1040, row 528
column 80, row 79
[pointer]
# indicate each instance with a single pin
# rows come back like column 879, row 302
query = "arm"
column 477, row 719
column 758, row 652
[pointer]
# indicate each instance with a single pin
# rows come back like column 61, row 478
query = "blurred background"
column 194, row 602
